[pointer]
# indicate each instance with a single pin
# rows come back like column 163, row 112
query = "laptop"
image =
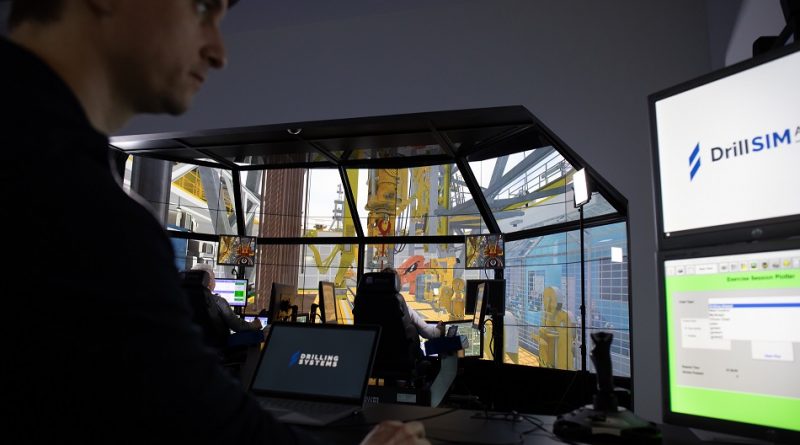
column 314, row 374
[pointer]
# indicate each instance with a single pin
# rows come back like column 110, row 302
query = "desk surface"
column 448, row 426
column 444, row 425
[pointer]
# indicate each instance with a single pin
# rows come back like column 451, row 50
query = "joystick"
column 605, row 420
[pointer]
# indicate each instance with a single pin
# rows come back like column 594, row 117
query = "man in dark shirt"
column 232, row 321
column 123, row 363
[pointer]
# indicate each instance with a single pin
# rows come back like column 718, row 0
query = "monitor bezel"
column 246, row 283
column 468, row 323
column 485, row 235
column 251, row 239
column 762, row 229
column 322, row 304
column 469, row 309
column 480, row 312
column 702, row 422
column 335, row 399
column 264, row 320
column 274, row 308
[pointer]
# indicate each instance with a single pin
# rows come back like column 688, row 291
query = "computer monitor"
column 233, row 290
column 280, row 300
column 726, row 150
column 249, row 318
column 495, row 296
column 462, row 328
column 236, row 250
column 469, row 297
column 480, row 306
column 327, row 302
column 731, row 339
column 484, row 252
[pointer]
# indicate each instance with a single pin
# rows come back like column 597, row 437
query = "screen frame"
column 468, row 325
column 274, row 306
column 485, row 235
column 480, row 299
column 250, row 239
column 264, row 320
column 452, row 330
column 246, row 283
column 469, row 296
column 334, row 399
column 322, row 305
column 696, row 421
column 768, row 228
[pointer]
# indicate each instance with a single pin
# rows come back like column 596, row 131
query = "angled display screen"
column 236, row 250
column 484, row 252
column 733, row 339
column 234, row 291
column 727, row 148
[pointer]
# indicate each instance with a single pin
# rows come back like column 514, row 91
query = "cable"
column 540, row 425
column 449, row 411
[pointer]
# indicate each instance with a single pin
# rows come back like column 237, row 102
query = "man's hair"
column 41, row 11
column 203, row 266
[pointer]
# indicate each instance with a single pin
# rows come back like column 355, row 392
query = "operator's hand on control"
column 392, row 432
column 440, row 327
column 256, row 324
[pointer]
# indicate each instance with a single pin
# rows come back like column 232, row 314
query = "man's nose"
column 214, row 50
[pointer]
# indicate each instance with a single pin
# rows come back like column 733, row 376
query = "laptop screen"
column 316, row 362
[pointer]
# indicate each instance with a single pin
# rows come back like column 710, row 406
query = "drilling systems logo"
column 316, row 360
column 744, row 147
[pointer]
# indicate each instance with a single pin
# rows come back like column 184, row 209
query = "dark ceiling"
column 372, row 142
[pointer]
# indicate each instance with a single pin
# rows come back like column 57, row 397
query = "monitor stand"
column 713, row 437
column 605, row 421
column 674, row 434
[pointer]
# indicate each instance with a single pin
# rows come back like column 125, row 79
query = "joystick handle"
column 604, row 400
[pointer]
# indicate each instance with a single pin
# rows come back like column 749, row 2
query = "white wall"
column 583, row 67
column 755, row 19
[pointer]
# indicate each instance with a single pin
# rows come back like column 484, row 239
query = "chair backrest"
column 205, row 311
column 378, row 301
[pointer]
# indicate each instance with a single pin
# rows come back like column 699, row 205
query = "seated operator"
column 233, row 321
column 425, row 330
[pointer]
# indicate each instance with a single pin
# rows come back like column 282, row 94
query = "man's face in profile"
column 160, row 52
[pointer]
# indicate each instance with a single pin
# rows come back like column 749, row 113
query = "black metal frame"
column 499, row 131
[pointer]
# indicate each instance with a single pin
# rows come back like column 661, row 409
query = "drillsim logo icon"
column 694, row 161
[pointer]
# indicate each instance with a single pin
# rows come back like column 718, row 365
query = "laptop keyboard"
column 303, row 406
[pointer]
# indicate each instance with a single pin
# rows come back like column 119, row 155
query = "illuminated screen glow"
column 236, row 250
column 232, row 290
column 733, row 337
column 728, row 150
column 328, row 299
column 484, row 252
